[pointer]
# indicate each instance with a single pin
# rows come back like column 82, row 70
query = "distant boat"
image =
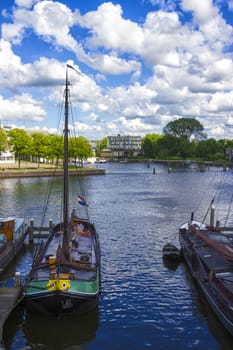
column 208, row 252
column 13, row 232
column 101, row 161
column 65, row 273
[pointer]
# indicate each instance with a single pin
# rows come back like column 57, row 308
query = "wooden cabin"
column 7, row 227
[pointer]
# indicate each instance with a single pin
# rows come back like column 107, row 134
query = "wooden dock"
column 9, row 298
column 39, row 232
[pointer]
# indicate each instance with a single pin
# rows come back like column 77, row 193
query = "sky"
column 142, row 64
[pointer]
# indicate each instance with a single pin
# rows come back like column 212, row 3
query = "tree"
column 168, row 145
column 39, row 145
column 20, row 141
column 80, row 148
column 149, row 145
column 3, row 140
column 210, row 149
column 185, row 128
column 55, row 147
column 101, row 145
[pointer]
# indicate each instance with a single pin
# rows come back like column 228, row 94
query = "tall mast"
column 65, row 174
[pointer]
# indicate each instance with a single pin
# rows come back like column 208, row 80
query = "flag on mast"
column 82, row 200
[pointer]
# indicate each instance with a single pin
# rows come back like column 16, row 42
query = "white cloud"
column 21, row 107
column 110, row 30
column 188, row 69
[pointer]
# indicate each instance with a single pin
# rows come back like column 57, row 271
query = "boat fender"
column 58, row 284
column 211, row 275
column 85, row 234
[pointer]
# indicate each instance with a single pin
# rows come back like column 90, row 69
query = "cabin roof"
column 6, row 219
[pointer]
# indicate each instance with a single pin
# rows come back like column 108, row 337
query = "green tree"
column 80, row 148
column 185, row 128
column 39, row 145
column 3, row 140
column 20, row 141
column 210, row 149
column 55, row 147
column 101, row 145
column 149, row 145
column 168, row 145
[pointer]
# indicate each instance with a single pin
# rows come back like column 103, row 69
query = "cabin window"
column 1, row 225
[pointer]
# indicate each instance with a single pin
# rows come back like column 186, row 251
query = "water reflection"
column 49, row 332
column 146, row 302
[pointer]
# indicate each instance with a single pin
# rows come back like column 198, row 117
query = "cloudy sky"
column 143, row 63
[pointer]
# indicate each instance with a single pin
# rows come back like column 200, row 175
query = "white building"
column 124, row 146
column 6, row 157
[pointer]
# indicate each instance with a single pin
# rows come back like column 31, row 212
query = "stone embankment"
column 28, row 170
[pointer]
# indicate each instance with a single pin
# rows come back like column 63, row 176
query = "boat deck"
column 82, row 251
column 213, row 260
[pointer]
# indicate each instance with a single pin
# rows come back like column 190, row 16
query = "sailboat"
column 208, row 251
column 65, row 274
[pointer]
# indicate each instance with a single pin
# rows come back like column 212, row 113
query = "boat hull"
column 208, row 280
column 57, row 303
column 56, row 285
column 10, row 249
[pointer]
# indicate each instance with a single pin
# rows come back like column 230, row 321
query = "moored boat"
column 208, row 252
column 65, row 273
column 13, row 231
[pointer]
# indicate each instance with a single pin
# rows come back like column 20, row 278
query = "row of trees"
column 43, row 146
column 184, row 138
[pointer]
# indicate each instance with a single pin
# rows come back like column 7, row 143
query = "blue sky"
column 143, row 63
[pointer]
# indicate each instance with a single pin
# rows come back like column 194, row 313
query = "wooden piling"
column 31, row 229
column 39, row 230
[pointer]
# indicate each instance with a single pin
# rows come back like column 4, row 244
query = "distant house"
column 105, row 154
column 7, row 157
column 124, row 146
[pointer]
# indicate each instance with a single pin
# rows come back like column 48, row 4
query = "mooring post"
column 212, row 212
column 17, row 279
column 154, row 171
column 31, row 230
column 50, row 225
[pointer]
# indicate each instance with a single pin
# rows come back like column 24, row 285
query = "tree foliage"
column 80, row 148
column 21, row 142
column 3, row 140
column 149, row 145
column 185, row 128
column 101, row 145
column 55, row 148
column 39, row 146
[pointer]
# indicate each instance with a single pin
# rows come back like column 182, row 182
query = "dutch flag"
column 82, row 201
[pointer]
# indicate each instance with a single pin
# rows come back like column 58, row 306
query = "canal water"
column 145, row 303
